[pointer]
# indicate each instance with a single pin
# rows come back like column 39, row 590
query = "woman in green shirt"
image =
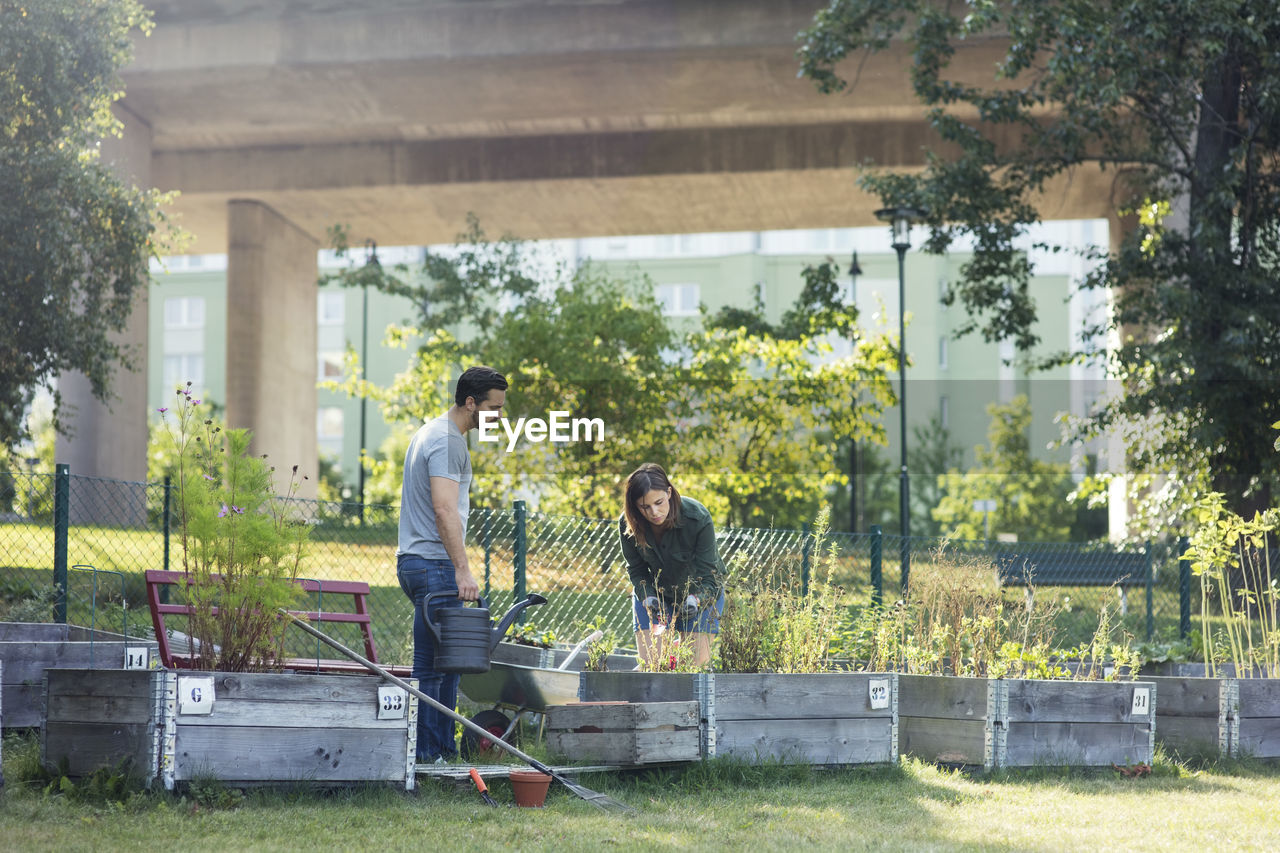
column 677, row 576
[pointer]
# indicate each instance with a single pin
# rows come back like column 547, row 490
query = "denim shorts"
column 706, row 621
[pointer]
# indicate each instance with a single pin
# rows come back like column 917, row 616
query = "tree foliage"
column 1030, row 494
column 1178, row 101
column 742, row 414
column 74, row 240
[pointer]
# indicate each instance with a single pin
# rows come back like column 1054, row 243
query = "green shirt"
column 686, row 561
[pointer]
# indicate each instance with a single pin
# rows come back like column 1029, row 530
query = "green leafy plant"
column 529, row 634
column 598, row 651
column 774, row 621
column 1232, row 558
column 241, row 545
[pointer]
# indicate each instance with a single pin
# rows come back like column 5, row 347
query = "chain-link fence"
column 75, row 548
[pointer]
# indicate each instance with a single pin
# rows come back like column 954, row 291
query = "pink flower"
column 222, row 513
column 162, row 410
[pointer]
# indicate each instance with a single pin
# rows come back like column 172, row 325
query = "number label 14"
column 136, row 657
column 1141, row 701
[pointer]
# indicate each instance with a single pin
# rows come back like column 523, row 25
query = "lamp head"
column 900, row 220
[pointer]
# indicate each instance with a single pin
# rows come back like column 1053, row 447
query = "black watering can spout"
column 505, row 625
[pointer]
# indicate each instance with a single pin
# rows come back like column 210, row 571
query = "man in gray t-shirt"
column 431, row 557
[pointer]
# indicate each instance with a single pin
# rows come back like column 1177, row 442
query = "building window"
column 183, row 345
column 183, row 368
column 678, row 300
column 331, row 308
column 330, row 365
column 330, row 423
column 184, row 312
column 944, row 411
column 942, row 352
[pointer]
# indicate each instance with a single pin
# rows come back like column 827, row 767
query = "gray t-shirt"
column 437, row 450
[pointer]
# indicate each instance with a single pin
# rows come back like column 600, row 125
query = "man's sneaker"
column 440, row 759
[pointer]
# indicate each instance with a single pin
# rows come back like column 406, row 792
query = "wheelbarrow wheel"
column 493, row 721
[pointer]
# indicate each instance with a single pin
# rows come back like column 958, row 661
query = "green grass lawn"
column 711, row 806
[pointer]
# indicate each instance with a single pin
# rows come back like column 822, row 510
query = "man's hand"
column 468, row 589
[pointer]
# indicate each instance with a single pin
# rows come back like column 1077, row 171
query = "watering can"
column 464, row 636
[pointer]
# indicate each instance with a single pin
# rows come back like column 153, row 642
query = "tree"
column 742, row 415
column 74, row 240
column 1030, row 495
column 1178, row 101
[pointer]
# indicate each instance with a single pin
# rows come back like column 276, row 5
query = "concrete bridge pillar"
column 108, row 441
column 271, row 338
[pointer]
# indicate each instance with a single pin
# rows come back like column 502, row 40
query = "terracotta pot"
column 530, row 788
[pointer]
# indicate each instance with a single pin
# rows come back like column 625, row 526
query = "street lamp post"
column 371, row 266
column 855, row 497
column 900, row 219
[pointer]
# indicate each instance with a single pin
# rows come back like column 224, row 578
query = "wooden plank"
column 1077, row 744
column 1186, row 697
column 241, row 712
column 635, row 747
column 624, row 717
column 807, row 741
column 99, row 709
column 942, row 696
column 1033, row 701
column 1259, row 736
column 637, row 686
column 1259, row 697
column 85, row 747
column 297, row 687
column 30, row 660
column 1189, row 736
column 99, row 682
column 816, row 696
column 290, row 754
column 33, row 632
column 947, row 741
column 23, row 706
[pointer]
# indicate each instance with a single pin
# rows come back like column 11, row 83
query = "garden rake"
column 600, row 801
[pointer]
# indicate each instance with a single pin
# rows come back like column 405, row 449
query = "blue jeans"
column 418, row 578
column 706, row 621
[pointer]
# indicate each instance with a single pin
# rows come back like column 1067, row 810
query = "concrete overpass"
column 276, row 119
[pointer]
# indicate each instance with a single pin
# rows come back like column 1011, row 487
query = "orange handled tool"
column 482, row 787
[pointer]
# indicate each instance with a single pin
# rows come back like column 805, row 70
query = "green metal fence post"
column 877, row 568
column 61, row 525
column 1151, row 617
column 521, row 547
column 1184, row 589
column 486, row 539
column 806, row 550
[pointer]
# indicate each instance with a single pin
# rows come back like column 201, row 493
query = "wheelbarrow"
column 522, row 690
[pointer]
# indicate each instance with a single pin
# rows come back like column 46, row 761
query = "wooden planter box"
column 627, row 733
column 1258, row 724
column 830, row 718
column 29, row 648
column 241, row 728
column 992, row 722
column 1197, row 716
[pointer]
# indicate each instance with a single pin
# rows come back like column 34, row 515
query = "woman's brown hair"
column 649, row 477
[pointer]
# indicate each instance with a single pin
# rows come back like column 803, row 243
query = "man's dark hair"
column 477, row 382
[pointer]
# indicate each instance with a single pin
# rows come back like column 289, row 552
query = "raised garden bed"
column 627, row 733
column 241, row 728
column 832, row 718
column 991, row 722
column 30, row 648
